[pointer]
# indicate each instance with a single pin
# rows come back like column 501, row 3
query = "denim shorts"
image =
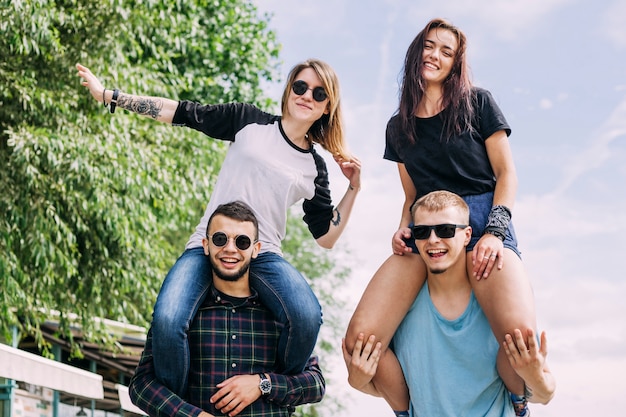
column 480, row 206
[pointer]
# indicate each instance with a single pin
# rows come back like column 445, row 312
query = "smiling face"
column 304, row 107
column 228, row 262
column 442, row 254
column 440, row 48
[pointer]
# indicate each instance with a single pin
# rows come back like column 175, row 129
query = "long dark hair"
column 457, row 88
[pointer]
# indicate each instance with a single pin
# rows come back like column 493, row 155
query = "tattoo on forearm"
column 336, row 220
column 143, row 106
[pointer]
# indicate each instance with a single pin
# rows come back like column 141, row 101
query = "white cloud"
column 574, row 258
column 572, row 243
column 545, row 103
column 576, row 396
column 614, row 24
column 290, row 17
column 598, row 151
column 507, row 20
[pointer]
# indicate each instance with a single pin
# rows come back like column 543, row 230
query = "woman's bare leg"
column 507, row 299
column 386, row 300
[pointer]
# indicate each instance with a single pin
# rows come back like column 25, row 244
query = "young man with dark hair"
column 233, row 340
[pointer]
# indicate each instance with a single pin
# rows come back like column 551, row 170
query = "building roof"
column 115, row 366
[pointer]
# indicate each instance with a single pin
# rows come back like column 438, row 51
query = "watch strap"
column 265, row 385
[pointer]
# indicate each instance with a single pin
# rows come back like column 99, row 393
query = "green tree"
column 96, row 207
column 326, row 275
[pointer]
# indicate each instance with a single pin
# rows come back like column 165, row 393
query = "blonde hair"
column 441, row 200
column 328, row 129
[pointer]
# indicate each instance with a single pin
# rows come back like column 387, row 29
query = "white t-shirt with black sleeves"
column 460, row 163
column 262, row 168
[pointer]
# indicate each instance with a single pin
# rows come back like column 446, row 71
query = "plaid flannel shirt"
column 228, row 337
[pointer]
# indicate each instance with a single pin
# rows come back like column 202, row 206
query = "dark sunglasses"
column 220, row 239
column 300, row 87
column 443, row 231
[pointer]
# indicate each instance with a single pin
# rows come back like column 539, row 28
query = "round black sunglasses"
column 300, row 87
column 220, row 239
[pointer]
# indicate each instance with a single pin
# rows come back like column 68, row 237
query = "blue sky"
column 558, row 70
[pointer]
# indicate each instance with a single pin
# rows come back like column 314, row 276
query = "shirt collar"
column 219, row 298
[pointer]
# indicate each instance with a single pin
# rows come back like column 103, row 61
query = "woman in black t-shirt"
column 449, row 135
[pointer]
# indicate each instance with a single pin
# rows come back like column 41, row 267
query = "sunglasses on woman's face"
column 300, row 87
column 220, row 239
column 443, row 231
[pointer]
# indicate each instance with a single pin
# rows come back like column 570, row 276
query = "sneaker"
column 520, row 405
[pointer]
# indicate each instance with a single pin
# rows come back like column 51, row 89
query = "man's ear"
column 468, row 234
column 205, row 245
column 255, row 249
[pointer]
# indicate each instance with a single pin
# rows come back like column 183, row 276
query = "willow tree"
column 97, row 206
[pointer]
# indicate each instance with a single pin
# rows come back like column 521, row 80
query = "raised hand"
column 91, row 82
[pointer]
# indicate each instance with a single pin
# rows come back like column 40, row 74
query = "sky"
column 557, row 69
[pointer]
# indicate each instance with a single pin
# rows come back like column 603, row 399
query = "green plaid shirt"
column 228, row 337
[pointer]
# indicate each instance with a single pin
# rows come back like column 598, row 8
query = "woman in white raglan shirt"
column 271, row 164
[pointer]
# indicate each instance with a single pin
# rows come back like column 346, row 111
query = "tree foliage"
column 96, row 207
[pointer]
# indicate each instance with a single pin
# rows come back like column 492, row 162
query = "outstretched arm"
column 531, row 365
column 158, row 108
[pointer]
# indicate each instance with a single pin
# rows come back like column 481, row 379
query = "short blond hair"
column 441, row 200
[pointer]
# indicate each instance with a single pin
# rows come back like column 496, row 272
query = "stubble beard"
column 232, row 277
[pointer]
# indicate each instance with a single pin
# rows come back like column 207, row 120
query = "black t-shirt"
column 458, row 164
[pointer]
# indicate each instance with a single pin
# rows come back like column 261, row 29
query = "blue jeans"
column 479, row 206
column 281, row 288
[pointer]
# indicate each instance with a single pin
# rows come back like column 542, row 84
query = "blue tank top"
column 450, row 365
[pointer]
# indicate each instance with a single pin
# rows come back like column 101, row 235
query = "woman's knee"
column 170, row 318
column 303, row 307
column 387, row 298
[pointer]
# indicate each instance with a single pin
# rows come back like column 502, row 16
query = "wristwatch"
column 265, row 385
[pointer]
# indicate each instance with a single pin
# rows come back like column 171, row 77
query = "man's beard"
column 233, row 276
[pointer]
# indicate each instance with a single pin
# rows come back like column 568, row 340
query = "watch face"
column 266, row 386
